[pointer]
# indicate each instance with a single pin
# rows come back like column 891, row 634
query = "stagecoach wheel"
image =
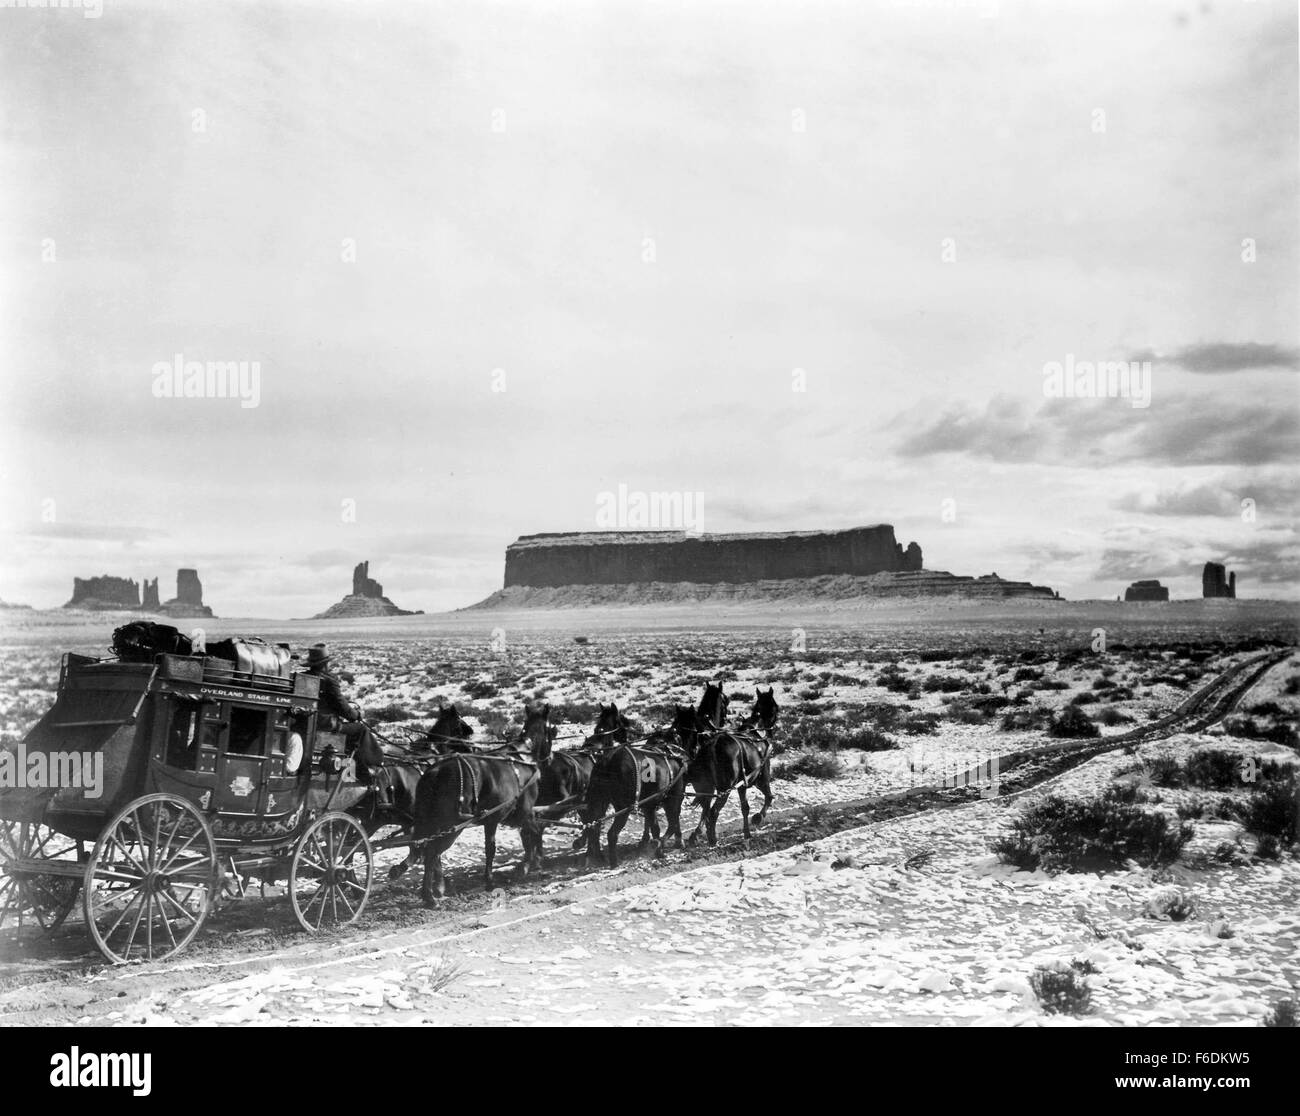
column 333, row 866
column 44, row 898
column 151, row 880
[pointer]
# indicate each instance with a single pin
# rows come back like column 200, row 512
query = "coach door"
column 243, row 764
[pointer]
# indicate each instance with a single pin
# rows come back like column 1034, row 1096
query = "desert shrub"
column 1060, row 834
column 1072, row 723
column 1165, row 771
column 386, row 714
column 965, row 715
column 815, row 764
column 1129, row 793
column 1273, row 810
column 1171, row 904
column 574, row 712
column 495, row 723
column 867, row 740
column 1061, row 989
column 1120, row 693
column 917, row 723
column 1266, row 709
column 1192, row 809
column 1249, row 729
column 1285, row 1013
column 1027, row 674
column 1214, row 769
column 1103, row 684
column 827, row 732
column 894, row 681
column 1112, row 716
column 943, row 684
column 1034, row 717
column 1292, row 686
column 480, row 688
column 1085, row 698
column 1053, row 684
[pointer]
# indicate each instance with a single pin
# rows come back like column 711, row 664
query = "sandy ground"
column 827, row 929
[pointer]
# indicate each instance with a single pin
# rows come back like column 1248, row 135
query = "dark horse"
column 720, row 761
column 641, row 776
column 489, row 788
column 396, row 776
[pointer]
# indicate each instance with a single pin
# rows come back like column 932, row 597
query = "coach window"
column 247, row 732
column 183, row 734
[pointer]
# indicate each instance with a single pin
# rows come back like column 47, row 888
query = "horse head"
column 688, row 725
column 448, row 730
column 713, row 705
column 538, row 730
column 611, row 726
column 765, row 711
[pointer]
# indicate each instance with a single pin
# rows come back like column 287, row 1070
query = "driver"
column 338, row 714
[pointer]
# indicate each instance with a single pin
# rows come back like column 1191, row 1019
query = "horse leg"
column 647, row 815
column 489, row 851
column 743, row 795
column 397, row 871
column 673, row 816
column 530, row 836
column 652, row 820
column 711, row 816
column 705, row 803
column 616, row 827
column 435, row 883
column 764, row 783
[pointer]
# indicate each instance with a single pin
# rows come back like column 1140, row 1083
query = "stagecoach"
column 177, row 779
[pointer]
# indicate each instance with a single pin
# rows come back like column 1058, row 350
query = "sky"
column 492, row 260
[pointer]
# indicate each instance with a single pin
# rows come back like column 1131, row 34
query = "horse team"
column 442, row 784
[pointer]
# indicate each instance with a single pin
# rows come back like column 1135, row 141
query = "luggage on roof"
column 140, row 640
column 253, row 655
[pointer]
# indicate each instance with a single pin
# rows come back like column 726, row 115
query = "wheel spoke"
column 137, row 834
column 116, row 840
column 172, row 859
column 167, row 848
column 135, row 926
column 167, row 924
column 131, row 893
column 179, row 906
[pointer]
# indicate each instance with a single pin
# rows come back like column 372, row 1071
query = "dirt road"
column 601, row 946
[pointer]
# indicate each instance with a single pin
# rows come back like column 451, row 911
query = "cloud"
column 1227, row 356
column 1004, row 432
column 1204, row 429
column 1265, row 561
column 1273, row 496
column 90, row 532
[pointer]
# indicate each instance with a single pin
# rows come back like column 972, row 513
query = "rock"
column 149, row 601
column 1215, row 584
column 363, row 585
column 189, row 597
column 366, row 599
column 934, row 981
column 1146, row 591
column 622, row 557
column 104, row 593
